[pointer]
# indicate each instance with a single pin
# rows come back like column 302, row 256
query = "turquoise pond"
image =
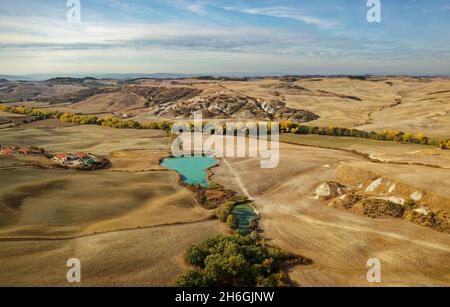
column 193, row 170
column 243, row 215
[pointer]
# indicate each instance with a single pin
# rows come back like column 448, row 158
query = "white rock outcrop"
column 392, row 188
column 374, row 185
column 416, row 196
column 322, row 190
column 422, row 210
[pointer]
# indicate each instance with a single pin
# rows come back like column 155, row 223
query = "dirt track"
column 340, row 243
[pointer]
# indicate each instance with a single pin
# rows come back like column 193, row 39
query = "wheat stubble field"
column 127, row 224
column 339, row 242
column 130, row 223
column 392, row 103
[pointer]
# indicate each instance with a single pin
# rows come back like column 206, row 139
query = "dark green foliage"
column 194, row 278
column 196, row 255
column 235, row 261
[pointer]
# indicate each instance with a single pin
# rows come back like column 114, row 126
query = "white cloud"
column 43, row 30
column 198, row 8
column 50, row 33
column 50, row 44
column 287, row 13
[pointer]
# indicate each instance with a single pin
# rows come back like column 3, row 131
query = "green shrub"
column 224, row 211
column 231, row 222
column 254, row 235
column 194, row 278
column 235, row 261
column 196, row 255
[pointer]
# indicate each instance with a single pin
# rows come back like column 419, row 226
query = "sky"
column 229, row 36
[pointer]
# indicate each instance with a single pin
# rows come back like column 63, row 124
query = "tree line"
column 285, row 127
column 108, row 121
column 387, row 135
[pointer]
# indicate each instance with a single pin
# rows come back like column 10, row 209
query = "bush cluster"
column 235, row 261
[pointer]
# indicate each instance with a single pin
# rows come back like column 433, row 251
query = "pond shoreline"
column 212, row 187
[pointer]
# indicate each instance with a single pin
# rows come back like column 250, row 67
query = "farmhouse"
column 81, row 155
column 65, row 158
column 7, row 151
column 25, row 150
column 79, row 158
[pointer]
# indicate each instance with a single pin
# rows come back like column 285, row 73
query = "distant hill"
column 142, row 76
column 70, row 80
column 5, row 78
column 117, row 76
column 232, row 75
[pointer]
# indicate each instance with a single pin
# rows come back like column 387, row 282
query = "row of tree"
column 243, row 128
column 109, row 121
column 113, row 122
column 387, row 135
column 39, row 113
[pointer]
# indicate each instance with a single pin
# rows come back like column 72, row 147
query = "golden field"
column 130, row 223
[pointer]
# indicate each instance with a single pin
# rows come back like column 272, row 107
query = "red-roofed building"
column 8, row 151
column 81, row 155
column 68, row 157
column 25, row 150
column 62, row 157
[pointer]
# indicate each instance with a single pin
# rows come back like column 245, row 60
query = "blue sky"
column 264, row 36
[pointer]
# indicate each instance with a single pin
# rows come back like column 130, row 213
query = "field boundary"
column 365, row 156
column 80, row 236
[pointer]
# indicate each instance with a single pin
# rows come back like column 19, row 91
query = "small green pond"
column 243, row 215
column 193, row 170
